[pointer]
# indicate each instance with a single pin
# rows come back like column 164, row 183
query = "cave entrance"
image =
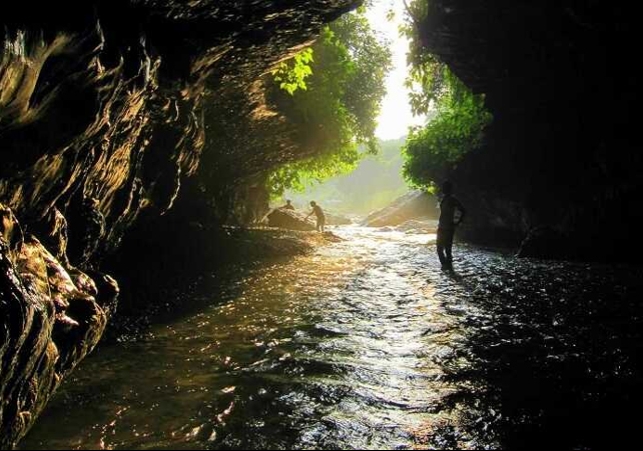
column 357, row 189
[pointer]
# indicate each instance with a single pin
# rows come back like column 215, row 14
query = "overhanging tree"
column 459, row 117
column 332, row 93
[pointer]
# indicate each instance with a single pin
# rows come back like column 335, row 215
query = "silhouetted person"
column 319, row 213
column 288, row 206
column 448, row 224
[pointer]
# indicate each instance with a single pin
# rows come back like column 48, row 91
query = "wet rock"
column 416, row 204
column 10, row 230
column 87, row 230
column 48, row 323
column 83, row 282
column 107, row 290
column 103, row 116
column 52, row 232
column 290, row 220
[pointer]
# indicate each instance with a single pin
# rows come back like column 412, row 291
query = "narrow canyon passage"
column 366, row 344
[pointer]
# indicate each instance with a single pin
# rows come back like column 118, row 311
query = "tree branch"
column 409, row 11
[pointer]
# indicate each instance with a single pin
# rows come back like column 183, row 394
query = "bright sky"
column 396, row 115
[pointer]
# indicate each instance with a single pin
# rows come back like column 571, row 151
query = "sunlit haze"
column 396, row 116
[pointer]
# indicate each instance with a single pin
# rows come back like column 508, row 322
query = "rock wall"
column 563, row 150
column 52, row 317
column 107, row 109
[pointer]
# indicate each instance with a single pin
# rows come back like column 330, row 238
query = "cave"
column 138, row 141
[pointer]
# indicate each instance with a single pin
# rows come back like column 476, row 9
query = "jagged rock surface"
column 105, row 108
column 50, row 318
column 562, row 150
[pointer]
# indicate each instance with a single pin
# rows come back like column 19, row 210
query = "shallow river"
column 366, row 345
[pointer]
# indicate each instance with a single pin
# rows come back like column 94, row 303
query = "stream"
column 367, row 344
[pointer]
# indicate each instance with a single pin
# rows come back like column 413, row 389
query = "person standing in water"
column 319, row 213
column 448, row 223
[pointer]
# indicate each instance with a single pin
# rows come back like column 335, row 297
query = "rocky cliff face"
column 52, row 317
column 106, row 110
column 562, row 152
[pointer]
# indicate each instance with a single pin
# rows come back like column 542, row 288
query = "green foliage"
column 374, row 184
column 431, row 152
column 460, row 117
column 291, row 75
column 297, row 176
column 337, row 110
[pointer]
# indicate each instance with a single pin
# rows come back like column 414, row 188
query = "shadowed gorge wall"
column 130, row 119
column 105, row 112
column 562, row 154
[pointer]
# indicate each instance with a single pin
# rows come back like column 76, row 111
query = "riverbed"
column 367, row 344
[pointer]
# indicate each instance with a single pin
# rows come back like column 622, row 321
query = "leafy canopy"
column 332, row 93
column 459, row 116
column 292, row 75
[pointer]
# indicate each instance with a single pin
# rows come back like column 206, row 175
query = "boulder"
column 414, row 205
column 290, row 220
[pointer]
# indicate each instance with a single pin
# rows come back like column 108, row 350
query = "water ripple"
column 368, row 345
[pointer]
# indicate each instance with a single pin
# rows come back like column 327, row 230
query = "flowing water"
column 367, row 345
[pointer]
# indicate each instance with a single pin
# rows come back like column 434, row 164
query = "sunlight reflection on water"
column 365, row 344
